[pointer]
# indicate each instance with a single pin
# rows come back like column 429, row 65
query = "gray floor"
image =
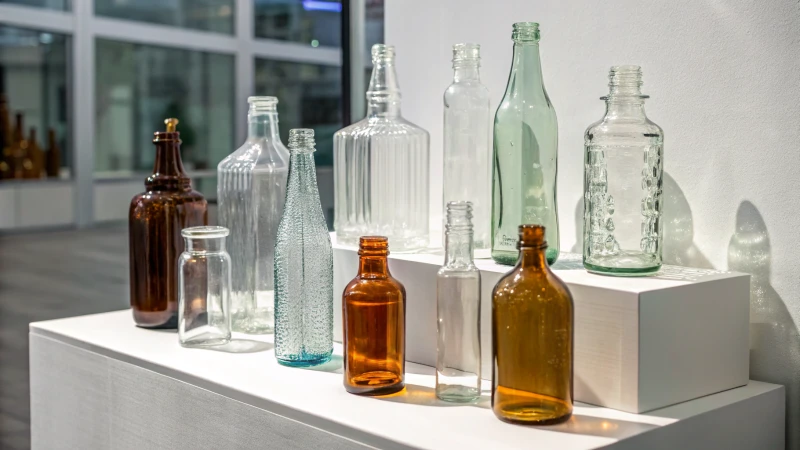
column 48, row 276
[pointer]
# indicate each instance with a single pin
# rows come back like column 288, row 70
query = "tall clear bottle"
column 458, row 304
column 624, row 164
column 467, row 150
column 303, row 265
column 525, row 152
column 251, row 189
column 381, row 184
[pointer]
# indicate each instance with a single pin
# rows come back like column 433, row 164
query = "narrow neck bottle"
column 262, row 119
column 625, row 100
column 458, row 235
column 526, row 66
column 383, row 94
column 168, row 170
column 373, row 252
column 466, row 63
column 302, row 171
column 532, row 248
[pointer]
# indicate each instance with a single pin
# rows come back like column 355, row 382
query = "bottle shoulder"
column 256, row 154
column 524, row 283
column 458, row 271
column 611, row 130
column 395, row 127
column 365, row 289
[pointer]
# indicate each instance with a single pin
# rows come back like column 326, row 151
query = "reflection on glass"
column 139, row 85
column 310, row 97
column 33, row 88
column 207, row 15
column 61, row 5
column 313, row 22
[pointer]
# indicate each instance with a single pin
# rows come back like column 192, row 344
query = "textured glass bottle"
column 251, row 189
column 303, row 265
column 155, row 220
column 467, row 150
column 525, row 152
column 374, row 316
column 532, row 338
column 458, row 304
column 205, row 287
column 381, row 184
column 623, row 169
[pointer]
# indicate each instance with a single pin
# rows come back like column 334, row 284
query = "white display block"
column 641, row 343
column 99, row 382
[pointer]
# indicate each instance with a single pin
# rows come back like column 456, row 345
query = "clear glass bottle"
column 458, row 305
column 374, row 316
column 532, row 338
column 204, row 270
column 525, row 152
column 251, row 189
column 623, row 170
column 303, row 265
column 380, row 165
column 467, row 149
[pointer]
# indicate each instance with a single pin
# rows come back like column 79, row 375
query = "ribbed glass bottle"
column 467, row 148
column 458, row 305
column 623, row 179
column 525, row 152
column 381, row 184
column 303, row 265
column 251, row 189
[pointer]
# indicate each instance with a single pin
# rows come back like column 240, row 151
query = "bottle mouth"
column 205, row 232
column 262, row 103
column 625, row 81
column 383, row 54
column 526, row 32
column 466, row 53
column 373, row 246
column 301, row 139
column 531, row 236
column 459, row 216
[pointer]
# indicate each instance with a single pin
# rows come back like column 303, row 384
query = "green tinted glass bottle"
column 525, row 152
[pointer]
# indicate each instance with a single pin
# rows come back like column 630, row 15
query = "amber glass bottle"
column 532, row 338
column 374, row 316
column 53, row 159
column 33, row 165
column 5, row 138
column 156, row 219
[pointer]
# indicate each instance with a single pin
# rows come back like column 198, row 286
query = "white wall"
column 724, row 77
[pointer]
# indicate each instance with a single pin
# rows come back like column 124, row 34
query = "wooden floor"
column 48, row 276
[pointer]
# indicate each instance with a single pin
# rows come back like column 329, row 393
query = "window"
column 207, row 15
column 62, row 5
column 313, row 22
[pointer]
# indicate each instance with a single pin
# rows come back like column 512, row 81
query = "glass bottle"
column 155, row 220
column 205, row 286
column 525, row 152
column 374, row 316
column 532, row 338
column 53, row 159
column 5, row 138
column 467, row 150
column 33, row 165
column 624, row 164
column 458, row 304
column 303, row 265
column 251, row 189
column 381, row 184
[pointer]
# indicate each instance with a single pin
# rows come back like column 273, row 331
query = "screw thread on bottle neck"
column 625, row 81
column 301, row 140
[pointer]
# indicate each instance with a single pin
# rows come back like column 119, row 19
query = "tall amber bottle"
column 156, row 219
column 53, row 158
column 532, row 338
column 374, row 316
column 5, row 138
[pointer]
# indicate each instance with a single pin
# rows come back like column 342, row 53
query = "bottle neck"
column 628, row 107
column 302, row 173
column 168, row 167
column 532, row 258
column 464, row 71
column 383, row 95
column 458, row 248
column 212, row 245
column 526, row 69
column 262, row 125
column 373, row 266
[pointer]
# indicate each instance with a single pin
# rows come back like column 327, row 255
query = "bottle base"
column 155, row 320
column 457, row 394
column 509, row 258
column 532, row 418
column 523, row 407
column 304, row 361
column 375, row 383
column 214, row 342
column 626, row 265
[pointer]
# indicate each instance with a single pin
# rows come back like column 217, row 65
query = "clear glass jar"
column 623, row 179
column 204, row 284
column 381, row 167
column 458, row 305
column 467, row 147
column 251, row 189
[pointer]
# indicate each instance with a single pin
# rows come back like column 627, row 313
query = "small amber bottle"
column 374, row 316
column 156, row 219
column 532, row 338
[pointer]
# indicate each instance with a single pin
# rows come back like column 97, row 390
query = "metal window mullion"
column 245, row 69
column 37, row 18
column 82, row 72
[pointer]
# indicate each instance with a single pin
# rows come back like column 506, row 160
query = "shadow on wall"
column 774, row 339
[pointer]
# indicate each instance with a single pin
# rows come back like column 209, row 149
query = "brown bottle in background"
column 33, row 163
column 5, row 138
column 374, row 317
column 156, row 219
column 18, row 149
column 532, row 338
column 53, row 158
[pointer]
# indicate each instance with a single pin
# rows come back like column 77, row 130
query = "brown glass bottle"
column 33, row 164
column 5, row 138
column 532, row 338
column 53, row 158
column 374, row 316
column 156, row 219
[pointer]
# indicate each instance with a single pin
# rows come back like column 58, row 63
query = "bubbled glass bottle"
column 623, row 179
column 381, row 184
column 303, row 265
column 251, row 189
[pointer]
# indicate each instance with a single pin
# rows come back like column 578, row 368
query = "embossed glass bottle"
column 467, row 150
column 458, row 304
column 525, row 152
column 381, row 184
column 251, row 189
column 303, row 265
column 532, row 338
column 623, row 169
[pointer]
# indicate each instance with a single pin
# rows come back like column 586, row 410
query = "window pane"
column 312, row 22
column 207, row 15
column 310, row 96
column 33, row 79
column 62, row 5
column 138, row 86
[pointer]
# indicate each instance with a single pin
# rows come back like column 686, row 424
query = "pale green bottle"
column 525, row 153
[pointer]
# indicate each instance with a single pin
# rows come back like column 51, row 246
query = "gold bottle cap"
column 172, row 124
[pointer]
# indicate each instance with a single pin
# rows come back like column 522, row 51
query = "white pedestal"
column 640, row 343
column 98, row 382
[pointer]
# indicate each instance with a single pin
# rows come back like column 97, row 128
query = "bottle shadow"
column 415, row 394
column 335, row 365
column 243, row 346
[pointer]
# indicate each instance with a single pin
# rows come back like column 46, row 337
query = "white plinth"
column 640, row 343
column 98, row 382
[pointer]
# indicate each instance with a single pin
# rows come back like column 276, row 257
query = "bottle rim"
column 526, row 32
column 205, row 232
